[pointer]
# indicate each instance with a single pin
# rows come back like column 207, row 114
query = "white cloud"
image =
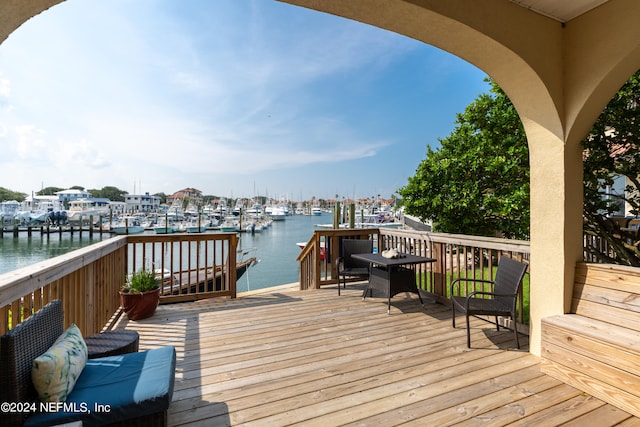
column 5, row 88
column 166, row 91
column 31, row 144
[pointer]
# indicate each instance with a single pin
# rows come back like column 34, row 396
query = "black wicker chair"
column 346, row 266
column 29, row 340
column 500, row 301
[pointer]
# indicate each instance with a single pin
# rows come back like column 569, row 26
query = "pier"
column 46, row 230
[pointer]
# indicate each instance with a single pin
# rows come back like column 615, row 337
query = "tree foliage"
column 112, row 193
column 6, row 194
column 49, row 191
column 477, row 182
column 611, row 152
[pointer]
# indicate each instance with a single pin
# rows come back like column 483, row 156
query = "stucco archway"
column 558, row 73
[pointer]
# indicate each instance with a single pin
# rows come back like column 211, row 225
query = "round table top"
column 111, row 343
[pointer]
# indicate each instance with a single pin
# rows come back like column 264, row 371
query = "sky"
column 235, row 98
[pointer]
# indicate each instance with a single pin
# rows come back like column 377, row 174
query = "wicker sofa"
column 133, row 389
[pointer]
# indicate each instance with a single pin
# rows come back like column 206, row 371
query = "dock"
column 45, row 230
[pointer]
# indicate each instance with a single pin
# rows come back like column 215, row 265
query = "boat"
column 255, row 210
column 254, row 226
column 316, row 211
column 323, row 253
column 164, row 228
column 230, row 224
column 85, row 209
column 278, row 213
column 129, row 225
column 191, row 228
column 202, row 280
column 212, row 224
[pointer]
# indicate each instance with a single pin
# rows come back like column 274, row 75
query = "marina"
column 270, row 233
column 274, row 248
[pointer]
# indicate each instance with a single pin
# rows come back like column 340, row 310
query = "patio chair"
column 346, row 266
column 500, row 301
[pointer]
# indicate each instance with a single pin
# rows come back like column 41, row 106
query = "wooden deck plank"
column 603, row 415
column 316, row 358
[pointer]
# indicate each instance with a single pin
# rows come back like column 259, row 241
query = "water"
column 276, row 251
column 22, row 251
column 275, row 248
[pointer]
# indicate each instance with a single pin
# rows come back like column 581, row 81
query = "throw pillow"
column 56, row 371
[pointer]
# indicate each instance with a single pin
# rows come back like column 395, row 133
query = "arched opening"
column 558, row 74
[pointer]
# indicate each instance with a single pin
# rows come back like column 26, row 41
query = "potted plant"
column 140, row 295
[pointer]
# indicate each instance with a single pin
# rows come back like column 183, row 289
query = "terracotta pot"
column 139, row 305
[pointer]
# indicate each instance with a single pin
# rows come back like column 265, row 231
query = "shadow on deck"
column 311, row 357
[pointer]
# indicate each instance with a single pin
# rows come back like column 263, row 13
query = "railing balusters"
column 88, row 280
column 456, row 256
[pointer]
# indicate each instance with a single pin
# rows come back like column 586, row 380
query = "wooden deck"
column 313, row 358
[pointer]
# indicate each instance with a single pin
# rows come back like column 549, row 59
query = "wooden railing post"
column 439, row 269
column 317, row 260
column 231, row 265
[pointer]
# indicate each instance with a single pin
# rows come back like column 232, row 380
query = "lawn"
column 481, row 274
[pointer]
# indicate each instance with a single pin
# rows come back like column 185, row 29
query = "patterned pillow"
column 56, row 371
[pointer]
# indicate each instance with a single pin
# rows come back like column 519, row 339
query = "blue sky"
column 232, row 97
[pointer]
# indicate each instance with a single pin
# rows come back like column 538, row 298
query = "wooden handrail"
column 457, row 256
column 87, row 280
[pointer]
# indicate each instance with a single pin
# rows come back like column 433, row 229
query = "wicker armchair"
column 501, row 301
column 346, row 266
column 29, row 339
column 18, row 348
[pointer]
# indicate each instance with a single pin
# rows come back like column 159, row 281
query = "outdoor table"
column 112, row 343
column 390, row 276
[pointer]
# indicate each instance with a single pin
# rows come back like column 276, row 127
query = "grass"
column 485, row 275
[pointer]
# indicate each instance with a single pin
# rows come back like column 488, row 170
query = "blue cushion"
column 129, row 385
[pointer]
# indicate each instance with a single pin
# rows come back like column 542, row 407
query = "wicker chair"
column 33, row 337
column 500, row 301
column 18, row 348
column 346, row 266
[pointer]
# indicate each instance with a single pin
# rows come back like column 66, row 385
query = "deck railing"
column 87, row 280
column 192, row 266
column 456, row 256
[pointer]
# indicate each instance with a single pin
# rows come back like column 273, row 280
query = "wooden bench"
column 596, row 347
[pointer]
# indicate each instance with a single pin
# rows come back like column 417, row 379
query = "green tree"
column 49, row 191
column 112, row 193
column 163, row 197
column 477, row 182
column 6, row 194
column 611, row 152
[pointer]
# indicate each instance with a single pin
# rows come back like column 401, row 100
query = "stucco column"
column 556, row 224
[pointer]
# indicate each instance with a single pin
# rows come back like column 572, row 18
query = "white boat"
column 255, row 225
column 85, row 209
column 316, row 211
column 129, row 225
column 195, row 227
column 8, row 210
column 164, row 228
column 230, row 224
column 254, row 211
column 278, row 213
